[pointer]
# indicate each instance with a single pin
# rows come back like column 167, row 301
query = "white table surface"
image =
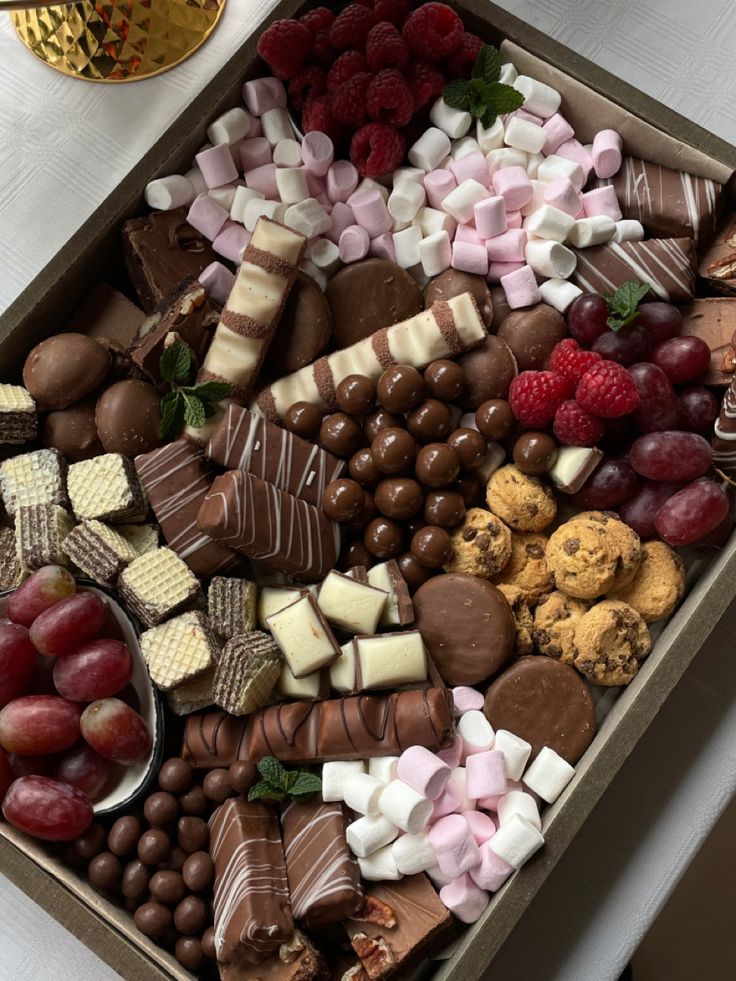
column 65, row 144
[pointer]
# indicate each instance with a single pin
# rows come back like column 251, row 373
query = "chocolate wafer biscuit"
column 12, row 572
column 41, row 532
column 248, row 668
column 143, row 538
column 157, row 585
column 179, row 650
column 192, row 696
column 105, row 487
column 100, row 551
column 231, row 606
column 38, row 477
column 18, row 419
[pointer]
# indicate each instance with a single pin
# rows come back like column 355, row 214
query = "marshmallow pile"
column 506, row 203
column 429, row 812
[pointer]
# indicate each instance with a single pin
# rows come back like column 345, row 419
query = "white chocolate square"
column 350, row 605
column 303, row 636
column 293, row 689
column 342, row 671
column 388, row 660
column 271, row 599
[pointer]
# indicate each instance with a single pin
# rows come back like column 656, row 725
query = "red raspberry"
column 349, row 102
column 426, row 83
column 393, row 10
column 310, row 81
column 461, row 61
column 433, row 31
column 319, row 19
column 576, row 427
column 351, row 26
column 349, row 63
column 386, row 48
column 284, row 46
column 535, row 395
column 389, row 99
column 377, row 149
column 569, row 359
column 322, row 53
column 317, row 115
column 607, row 390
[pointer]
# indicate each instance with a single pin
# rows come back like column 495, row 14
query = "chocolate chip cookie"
column 611, row 640
column 481, row 545
column 523, row 622
column 527, row 567
column 581, row 560
column 524, row 503
column 555, row 619
column 659, row 584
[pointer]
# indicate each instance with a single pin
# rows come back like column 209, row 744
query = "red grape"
column 612, row 482
column 26, row 766
column 624, row 346
column 45, row 587
column 587, row 318
column 662, row 320
column 698, row 408
column 640, row 510
column 671, row 455
column 98, row 669
column 47, row 809
column 657, row 409
column 17, row 661
column 692, row 513
column 116, row 731
column 682, row 358
column 42, row 680
column 719, row 536
column 62, row 628
column 38, row 724
column 82, row 767
column 6, row 774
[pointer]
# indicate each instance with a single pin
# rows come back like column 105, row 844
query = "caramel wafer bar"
column 446, row 329
column 267, row 524
column 100, row 551
column 350, row 605
column 247, row 671
column 106, row 488
column 667, row 264
column 399, row 609
column 18, row 418
column 231, row 606
column 157, row 585
column 179, row 650
column 142, row 538
column 38, row 477
column 41, row 533
column 12, row 572
column 303, row 636
column 193, row 695
column 176, row 480
column 244, row 441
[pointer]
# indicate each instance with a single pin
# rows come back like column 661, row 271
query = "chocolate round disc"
column 547, row 703
column 128, row 417
column 73, row 431
column 467, row 626
column 489, row 370
column 303, row 419
column 531, row 335
column 535, row 453
column 356, row 395
column 399, row 497
column 340, row 434
column 453, row 282
column 63, row 369
column 304, row 329
column 368, row 295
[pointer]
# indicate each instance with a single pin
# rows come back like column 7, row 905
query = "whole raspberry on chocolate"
column 317, row 115
column 389, row 99
column 350, row 27
column 433, row 31
column 534, row 396
column 349, row 102
column 573, row 426
column 426, row 82
column 377, row 149
column 284, row 46
column 310, row 81
column 569, row 359
column 319, row 19
column 386, row 48
column 345, row 66
column 461, row 61
column 607, row 390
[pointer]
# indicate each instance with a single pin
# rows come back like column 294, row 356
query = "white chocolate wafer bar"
column 389, row 660
column 351, row 605
column 447, row 328
column 343, row 670
column 303, row 637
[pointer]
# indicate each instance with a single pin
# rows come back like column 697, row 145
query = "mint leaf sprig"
column 186, row 405
column 623, row 305
column 482, row 95
column 279, row 783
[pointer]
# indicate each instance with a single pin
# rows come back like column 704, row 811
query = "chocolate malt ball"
column 400, row 388
column 437, row 465
column 175, row 775
column 494, row 419
column 153, row 919
column 105, row 872
column 303, row 419
column 444, row 379
column 431, row 546
column 379, row 420
column 340, row 434
column 154, row 846
column 124, row 835
column 430, row 422
column 535, row 453
column 198, row 871
column 363, row 469
column 160, row 809
column 414, row 573
column 356, row 395
column 136, row 879
column 167, row 887
column 216, row 786
column 193, row 801
column 393, row 450
column 400, row 498
column 384, row 538
column 343, row 500
column 190, row 916
column 192, row 833
column 445, row 508
column 470, row 446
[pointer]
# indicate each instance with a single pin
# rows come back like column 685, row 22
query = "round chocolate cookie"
column 63, row 369
column 368, row 295
column 73, row 431
column 304, row 330
column 489, row 370
column 531, row 334
column 467, row 626
column 545, row 702
column 128, row 417
column 452, row 282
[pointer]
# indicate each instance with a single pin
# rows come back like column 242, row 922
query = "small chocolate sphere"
column 430, row 422
column 469, row 445
column 356, row 395
column 437, row 465
column 472, row 489
column 208, row 943
column 198, row 871
column 444, row 379
column 414, row 573
column 431, row 546
column 124, row 834
column 136, row 877
column 92, row 842
column 192, row 832
column 216, row 786
column 193, row 801
column 154, row 846
column 153, row 919
column 340, row 434
column 175, row 775
column 356, row 554
column 379, row 420
column 242, row 776
column 494, row 419
column 188, row 951
column 175, row 861
column 535, row 453
column 362, row 468
column 393, row 450
column 160, row 808
column 105, row 872
column 368, row 513
column 399, row 497
column 384, row 538
column 343, row 500
column 190, row 916
column 167, row 887
column 445, row 508
column 303, row 419
column 400, row 388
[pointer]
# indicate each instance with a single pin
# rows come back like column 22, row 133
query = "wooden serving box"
column 593, row 99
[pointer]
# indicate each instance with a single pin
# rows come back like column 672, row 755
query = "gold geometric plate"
column 116, row 40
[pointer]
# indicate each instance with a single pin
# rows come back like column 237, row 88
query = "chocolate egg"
column 489, row 370
column 531, row 334
column 453, row 282
column 393, row 450
column 303, row 419
column 356, row 395
column 430, row 421
column 73, row 431
column 399, row 497
column 63, row 369
column 437, row 465
column 128, row 417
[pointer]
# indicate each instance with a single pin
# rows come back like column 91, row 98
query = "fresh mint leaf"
column 623, row 305
column 270, row 768
column 211, row 391
column 488, row 64
column 194, row 414
column 175, row 363
column 456, row 95
column 172, row 415
column 503, row 98
column 265, row 790
column 483, row 96
column 305, row 785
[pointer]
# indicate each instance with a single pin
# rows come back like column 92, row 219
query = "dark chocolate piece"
column 108, row 317
column 369, row 295
column 667, row 264
column 718, row 265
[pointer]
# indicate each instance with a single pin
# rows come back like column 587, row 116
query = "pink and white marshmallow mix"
column 467, row 816
column 507, row 203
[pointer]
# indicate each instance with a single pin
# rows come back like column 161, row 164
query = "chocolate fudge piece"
column 718, row 265
column 108, row 317
column 714, row 320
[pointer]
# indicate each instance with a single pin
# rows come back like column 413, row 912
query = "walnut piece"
column 724, row 268
column 374, row 954
column 372, row 910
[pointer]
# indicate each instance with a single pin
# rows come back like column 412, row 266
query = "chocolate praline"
column 437, row 465
column 393, row 450
column 444, row 379
column 384, row 538
column 489, row 370
column 362, row 468
column 340, row 434
column 445, row 508
column 400, row 388
column 414, row 573
column 399, row 497
column 343, row 500
column 356, row 395
column 128, row 417
column 531, row 335
column 494, row 418
column 469, row 445
column 303, row 419
column 430, row 421
column 431, row 546
column 379, row 420
column 73, row 431
column 535, row 453
column 63, row 369
column 453, row 282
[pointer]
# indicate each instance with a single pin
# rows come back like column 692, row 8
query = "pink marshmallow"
column 318, row 153
column 263, row 179
column 486, row 774
column 465, row 899
column 561, row 194
column 325, row 202
column 514, row 186
column 492, row 871
column 255, row 128
column 508, row 247
column 453, row 754
column 447, row 803
column 342, row 218
column 231, row 241
column 498, row 269
column 454, row 845
column 491, row 803
column 529, row 117
column 521, row 288
column 354, row 244
column 206, row 215
column 514, row 219
column 438, row 184
column 466, row 699
column 371, row 212
column 574, row 150
column 481, row 826
column 342, row 179
column 469, row 258
column 606, row 154
column 218, row 281
column 602, row 201
column 490, row 216
column 217, row 165
column 471, row 166
column 382, row 247
column 466, row 233
column 558, row 131
column 423, row 771
column 316, row 185
column 255, row 153
column 262, row 94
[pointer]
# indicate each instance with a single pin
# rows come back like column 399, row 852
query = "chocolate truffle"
column 489, row 370
column 531, row 335
column 430, row 421
column 494, row 419
column 414, row 574
column 73, row 431
column 535, row 453
column 340, row 434
column 379, row 420
column 437, row 465
column 128, row 417
column 362, row 468
column 384, row 538
column 153, row 919
column 63, row 369
column 304, row 329
column 444, row 379
column 160, row 808
column 431, row 546
column 453, row 282
column 303, row 419
column 400, row 388
column 105, row 872
column 175, row 775
column 368, row 295
column 469, row 445
column 393, row 450
column 356, row 395
column 399, row 497
column 343, row 500
column 445, row 508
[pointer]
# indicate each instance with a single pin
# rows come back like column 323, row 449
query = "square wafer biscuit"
column 107, row 488
column 41, row 531
column 231, row 605
column 18, row 418
column 193, row 695
column 157, row 585
column 247, row 672
column 143, row 538
column 100, row 551
column 38, row 477
column 179, row 650
column 12, row 572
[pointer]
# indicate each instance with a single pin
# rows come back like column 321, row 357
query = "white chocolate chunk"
column 303, row 636
column 388, row 660
column 352, row 606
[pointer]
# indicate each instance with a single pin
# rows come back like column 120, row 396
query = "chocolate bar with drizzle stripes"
column 724, row 440
column 667, row 264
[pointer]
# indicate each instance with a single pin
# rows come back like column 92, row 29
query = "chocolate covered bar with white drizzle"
column 724, row 440
column 666, row 264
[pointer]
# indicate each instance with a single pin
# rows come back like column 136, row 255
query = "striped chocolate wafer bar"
column 447, row 329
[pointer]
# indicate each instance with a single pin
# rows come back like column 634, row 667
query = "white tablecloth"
column 65, row 144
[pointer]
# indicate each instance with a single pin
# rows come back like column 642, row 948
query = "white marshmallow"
column 430, row 149
column 508, row 74
column 506, row 156
column 171, row 192
column 277, row 126
column 454, row 122
column 399, row 226
column 628, row 230
column 458, row 778
column 383, row 768
column 406, row 246
column 368, row 834
column 517, row 802
column 537, row 198
column 596, row 230
column 380, row 866
column 405, row 807
column 550, row 223
column 405, row 200
column 413, row 853
column 532, row 164
column 260, row 208
column 461, row 148
column 460, row 202
column 415, row 174
column 554, row 167
column 490, row 138
column 431, row 220
column 325, row 255
column 559, row 293
column 516, row 841
column 539, row 99
column 476, row 732
column 334, row 776
column 523, row 135
column 195, row 178
column 287, row 153
column 230, row 127
column 438, row 877
column 292, row 184
column 240, row 199
column 368, row 184
column 548, row 775
column 224, row 195
column 515, row 750
column 362, row 792
column 308, row 217
column 550, row 258
column 435, row 253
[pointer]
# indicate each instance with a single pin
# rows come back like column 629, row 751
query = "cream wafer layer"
column 156, row 585
column 100, row 552
column 105, row 487
column 179, row 650
column 41, row 532
column 33, row 478
column 193, row 695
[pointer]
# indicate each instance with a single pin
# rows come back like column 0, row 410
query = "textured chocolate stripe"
column 325, row 382
column 243, row 324
column 446, row 322
column 274, row 264
column 240, row 393
column 267, row 404
column 381, row 349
